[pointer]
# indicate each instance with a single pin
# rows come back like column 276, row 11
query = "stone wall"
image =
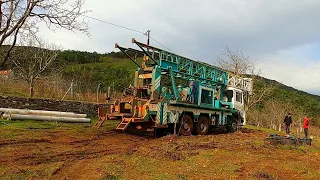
column 50, row 105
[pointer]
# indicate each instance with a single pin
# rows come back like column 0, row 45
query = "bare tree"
column 272, row 115
column 33, row 59
column 236, row 62
column 261, row 92
column 240, row 65
column 21, row 16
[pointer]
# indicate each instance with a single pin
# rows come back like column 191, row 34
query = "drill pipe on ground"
column 49, row 118
column 41, row 113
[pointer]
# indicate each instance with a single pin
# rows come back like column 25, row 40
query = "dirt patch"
column 197, row 146
column 246, row 130
column 263, row 175
column 175, row 155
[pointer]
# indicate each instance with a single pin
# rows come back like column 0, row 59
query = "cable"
column 113, row 24
column 130, row 29
column 160, row 44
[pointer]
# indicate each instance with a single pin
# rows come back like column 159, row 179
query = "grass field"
column 48, row 150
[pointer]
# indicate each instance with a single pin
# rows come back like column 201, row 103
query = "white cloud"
column 295, row 71
column 186, row 26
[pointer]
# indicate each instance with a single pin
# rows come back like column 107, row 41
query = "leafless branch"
column 23, row 16
column 32, row 59
column 236, row 62
column 260, row 94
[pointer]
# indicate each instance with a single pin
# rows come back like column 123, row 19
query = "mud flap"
column 162, row 114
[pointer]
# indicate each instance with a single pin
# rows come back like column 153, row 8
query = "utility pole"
column 148, row 35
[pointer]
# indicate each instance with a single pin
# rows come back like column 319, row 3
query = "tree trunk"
column 31, row 89
column 279, row 126
column 300, row 128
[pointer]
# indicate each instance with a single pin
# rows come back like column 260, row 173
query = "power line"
column 130, row 29
column 113, row 24
column 160, row 43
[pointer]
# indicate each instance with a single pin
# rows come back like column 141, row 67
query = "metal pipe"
column 123, row 50
column 40, row 112
column 174, row 87
column 49, row 118
column 141, row 45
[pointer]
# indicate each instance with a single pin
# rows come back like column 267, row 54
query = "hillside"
column 90, row 69
column 289, row 99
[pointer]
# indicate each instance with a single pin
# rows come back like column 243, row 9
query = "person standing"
column 287, row 122
column 306, row 126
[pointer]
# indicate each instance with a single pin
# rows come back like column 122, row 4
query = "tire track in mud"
column 61, row 157
column 100, row 144
column 123, row 144
column 21, row 142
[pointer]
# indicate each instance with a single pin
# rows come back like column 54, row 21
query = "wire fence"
column 53, row 88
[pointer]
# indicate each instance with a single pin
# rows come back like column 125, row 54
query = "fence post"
column 98, row 92
column 108, row 96
column 72, row 90
column 113, row 88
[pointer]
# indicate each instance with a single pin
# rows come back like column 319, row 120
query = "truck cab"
column 241, row 89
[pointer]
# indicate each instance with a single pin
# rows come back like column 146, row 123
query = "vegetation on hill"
column 78, row 57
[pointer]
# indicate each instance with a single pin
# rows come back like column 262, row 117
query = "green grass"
column 27, row 124
column 122, row 63
column 13, row 128
column 32, row 124
column 263, row 129
column 125, row 64
column 37, row 172
column 258, row 143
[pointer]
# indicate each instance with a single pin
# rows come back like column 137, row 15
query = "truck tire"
column 185, row 126
column 203, row 125
column 232, row 127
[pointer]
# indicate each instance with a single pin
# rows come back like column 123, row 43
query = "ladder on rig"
column 100, row 121
column 124, row 124
column 102, row 114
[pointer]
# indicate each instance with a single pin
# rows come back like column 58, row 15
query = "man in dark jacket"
column 287, row 122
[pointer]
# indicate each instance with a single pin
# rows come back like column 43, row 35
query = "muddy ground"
column 38, row 150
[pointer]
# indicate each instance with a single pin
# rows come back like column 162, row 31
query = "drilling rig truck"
column 175, row 94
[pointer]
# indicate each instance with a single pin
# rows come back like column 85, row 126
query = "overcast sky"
column 282, row 37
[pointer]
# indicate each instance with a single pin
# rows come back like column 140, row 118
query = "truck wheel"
column 203, row 125
column 232, row 127
column 185, row 127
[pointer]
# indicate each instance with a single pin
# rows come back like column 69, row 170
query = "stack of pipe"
column 25, row 114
